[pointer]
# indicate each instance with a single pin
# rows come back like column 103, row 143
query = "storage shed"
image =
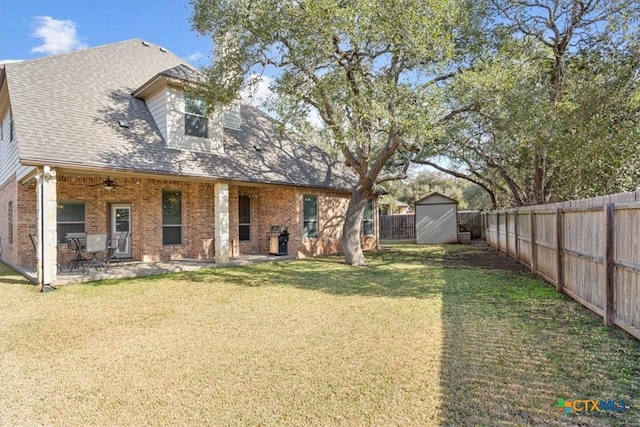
column 436, row 219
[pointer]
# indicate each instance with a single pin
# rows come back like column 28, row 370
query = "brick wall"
column 270, row 205
column 145, row 198
column 283, row 206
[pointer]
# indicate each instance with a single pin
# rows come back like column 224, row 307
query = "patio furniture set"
column 88, row 248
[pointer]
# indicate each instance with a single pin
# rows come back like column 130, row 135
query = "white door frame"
column 117, row 227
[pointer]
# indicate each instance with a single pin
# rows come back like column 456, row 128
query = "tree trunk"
column 353, row 254
column 538, row 178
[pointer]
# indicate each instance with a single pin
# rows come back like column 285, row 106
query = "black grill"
column 278, row 240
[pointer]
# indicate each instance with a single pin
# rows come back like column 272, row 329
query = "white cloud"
column 58, row 36
column 7, row 61
column 260, row 90
column 195, row 57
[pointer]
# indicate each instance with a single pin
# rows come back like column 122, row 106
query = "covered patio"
column 139, row 268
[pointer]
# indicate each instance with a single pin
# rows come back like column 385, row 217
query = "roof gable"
column 181, row 75
column 436, row 198
column 68, row 109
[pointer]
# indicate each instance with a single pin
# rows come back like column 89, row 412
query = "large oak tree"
column 374, row 72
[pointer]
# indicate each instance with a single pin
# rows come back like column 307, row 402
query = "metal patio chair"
column 116, row 250
column 34, row 242
column 77, row 243
column 96, row 243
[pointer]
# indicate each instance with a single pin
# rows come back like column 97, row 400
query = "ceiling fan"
column 108, row 184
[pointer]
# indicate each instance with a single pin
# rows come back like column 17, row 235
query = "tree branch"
column 490, row 192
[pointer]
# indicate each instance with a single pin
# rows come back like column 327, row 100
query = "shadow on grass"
column 512, row 346
column 8, row 276
column 394, row 275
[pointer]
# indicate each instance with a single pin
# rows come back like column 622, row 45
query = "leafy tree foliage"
column 470, row 196
column 558, row 94
column 374, row 72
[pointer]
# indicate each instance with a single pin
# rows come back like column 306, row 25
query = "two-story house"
column 110, row 139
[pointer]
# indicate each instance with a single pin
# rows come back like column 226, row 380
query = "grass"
column 451, row 335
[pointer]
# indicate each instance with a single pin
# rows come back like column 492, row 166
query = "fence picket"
column 590, row 249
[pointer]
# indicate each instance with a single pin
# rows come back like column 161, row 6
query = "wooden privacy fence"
column 398, row 227
column 473, row 219
column 590, row 250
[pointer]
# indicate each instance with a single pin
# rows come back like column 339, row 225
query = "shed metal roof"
column 436, row 198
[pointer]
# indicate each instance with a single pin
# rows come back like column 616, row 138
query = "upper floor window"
column 171, row 217
column 70, row 219
column 244, row 217
column 367, row 219
column 310, row 221
column 195, row 118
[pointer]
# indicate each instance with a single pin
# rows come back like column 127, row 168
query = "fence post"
column 534, row 254
column 498, row 231
column 515, row 230
column 559, row 250
column 610, row 309
column 506, row 232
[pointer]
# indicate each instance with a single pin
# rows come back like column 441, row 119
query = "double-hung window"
column 367, row 219
column 244, row 217
column 310, row 220
column 195, row 117
column 171, row 217
column 70, row 219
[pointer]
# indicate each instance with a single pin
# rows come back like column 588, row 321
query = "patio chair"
column 116, row 250
column 77, row 243
column 96, row 243
column 34, row 242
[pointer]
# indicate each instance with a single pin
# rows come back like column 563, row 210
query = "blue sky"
column 32, row 29
column 35, row 28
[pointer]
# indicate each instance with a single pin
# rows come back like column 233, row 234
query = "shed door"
column 436, row 224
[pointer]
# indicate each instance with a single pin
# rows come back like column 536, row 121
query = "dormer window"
column 195, row 119
column 184, row 119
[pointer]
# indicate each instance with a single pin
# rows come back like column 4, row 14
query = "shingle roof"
column 183, row 72
column 66, row 110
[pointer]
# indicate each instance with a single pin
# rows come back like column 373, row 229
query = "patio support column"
column 46, row 227
column 221, row 233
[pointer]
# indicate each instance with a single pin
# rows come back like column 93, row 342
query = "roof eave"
column 160, row 80
column 150, row 86
column 34, row 162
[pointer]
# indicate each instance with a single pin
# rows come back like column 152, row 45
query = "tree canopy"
column 530, row 100
column 558, row 92
column 374, row 72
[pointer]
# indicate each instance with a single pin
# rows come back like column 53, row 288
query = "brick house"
column 110, row 139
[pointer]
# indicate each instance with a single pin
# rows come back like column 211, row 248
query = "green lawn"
column 452, row 335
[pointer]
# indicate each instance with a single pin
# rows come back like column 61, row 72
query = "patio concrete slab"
column 138, row 269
